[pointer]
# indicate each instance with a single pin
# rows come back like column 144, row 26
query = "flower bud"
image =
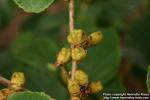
column 74, row 88
column 81, row 77
column 63, row 56
column 95, row 37
column 76, row 37
column 78, row 54
column 17, row 80
column 95, row 87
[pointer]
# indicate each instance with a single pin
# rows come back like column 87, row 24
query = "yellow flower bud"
column 74, row 88
column 95, row 87
column 78, row 54
column 95, row 37
column 63, row 56
column 81, row 77
column 17, row 80
column 76, row 37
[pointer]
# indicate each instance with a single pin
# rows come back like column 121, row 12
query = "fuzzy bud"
column 81, row 77
column 74, row 88
column 63, row 56
column 78, row 54
column 76, row 37
column 17, row 80
column 95, row 87
column 95, row 37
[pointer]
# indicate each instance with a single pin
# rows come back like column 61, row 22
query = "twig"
column 71, row 27
column 4, row 81
column 71, row 15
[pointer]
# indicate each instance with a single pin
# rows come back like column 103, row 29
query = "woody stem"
column 71, row 27
column 4, row 81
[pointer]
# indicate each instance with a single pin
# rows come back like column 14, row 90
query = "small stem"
column 4, row 81
column 74, row 67
column 71, row 27
column 71, row 15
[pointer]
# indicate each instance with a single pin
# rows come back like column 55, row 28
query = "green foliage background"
column 42, row 35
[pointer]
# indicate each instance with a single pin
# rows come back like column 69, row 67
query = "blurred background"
column 30, row 42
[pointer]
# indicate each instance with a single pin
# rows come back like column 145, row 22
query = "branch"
column 71, row 27
column 4, row 81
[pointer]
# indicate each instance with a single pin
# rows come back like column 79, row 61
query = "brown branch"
column 4, row 81
column 71, row 27
column 71, row 15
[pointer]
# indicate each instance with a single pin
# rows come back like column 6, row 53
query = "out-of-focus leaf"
column 29, row 96
column 114, row 85
column 139, row 34
column 106, row 13
column 34, row 50
column 148, row 79
column 6, row 12
column 138, row 38
column 35, row 6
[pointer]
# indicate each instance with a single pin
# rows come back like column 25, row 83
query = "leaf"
column 148, row 79
column 139, row 38
column 29, row 96
column 114, row 85
column 35, row 6
column 34, row 50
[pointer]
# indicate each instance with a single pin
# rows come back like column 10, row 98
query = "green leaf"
column 114, row 85
column 34, row 50
column 29, row 96
column 35, row 6
column 139, row 38
column 148, row 79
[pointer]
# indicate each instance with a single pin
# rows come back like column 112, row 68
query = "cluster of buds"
column 81, row 42
column 80, row 88
column 79, row 39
